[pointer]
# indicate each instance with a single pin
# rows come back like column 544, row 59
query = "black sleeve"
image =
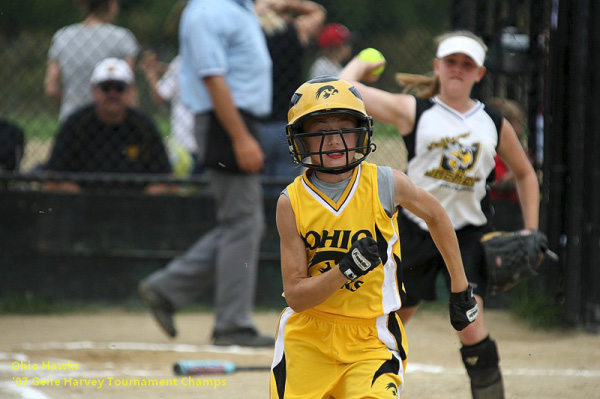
column 12, row 142
column 156, row 160
column 497, row 117
column 62, row 155
column 410, row 139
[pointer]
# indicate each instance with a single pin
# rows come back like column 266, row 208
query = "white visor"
column 463, row 45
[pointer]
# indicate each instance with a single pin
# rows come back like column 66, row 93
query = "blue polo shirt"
column 224, row 38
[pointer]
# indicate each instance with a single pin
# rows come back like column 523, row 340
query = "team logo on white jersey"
column 457, row 159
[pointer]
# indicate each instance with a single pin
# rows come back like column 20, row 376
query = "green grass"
column 536, row 307
column 28, row 303
column 42, row 126
column 381, row 129
column 45, row 126
column 533, row 305
column 529, row 302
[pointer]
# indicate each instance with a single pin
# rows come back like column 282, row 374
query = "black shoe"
column 160, row 308
column 245, row 337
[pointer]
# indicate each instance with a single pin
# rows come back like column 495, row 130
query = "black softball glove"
column 513, row 256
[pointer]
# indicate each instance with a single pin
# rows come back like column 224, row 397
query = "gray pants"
column 229, row 253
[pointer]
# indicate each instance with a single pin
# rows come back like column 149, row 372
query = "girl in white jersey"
column 452, row 140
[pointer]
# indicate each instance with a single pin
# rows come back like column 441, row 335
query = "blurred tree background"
column 402, row 31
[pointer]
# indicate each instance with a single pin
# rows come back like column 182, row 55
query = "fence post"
column 575, row 129
column 592, row 254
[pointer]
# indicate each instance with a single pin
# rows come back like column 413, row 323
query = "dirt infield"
column 128, row 355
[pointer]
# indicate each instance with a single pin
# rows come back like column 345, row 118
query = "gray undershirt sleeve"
column 385, row 180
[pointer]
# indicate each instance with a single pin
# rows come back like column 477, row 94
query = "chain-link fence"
column 49, row 50
column 48, row 62
column 109, row 232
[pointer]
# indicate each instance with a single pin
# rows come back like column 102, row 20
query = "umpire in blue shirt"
column 226, row 80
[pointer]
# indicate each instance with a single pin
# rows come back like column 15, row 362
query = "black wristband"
column 463, row 295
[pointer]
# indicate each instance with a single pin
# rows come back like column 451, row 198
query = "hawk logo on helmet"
column 295, row 98
column 327, row 92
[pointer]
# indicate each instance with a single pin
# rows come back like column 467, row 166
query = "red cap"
column 333, row 35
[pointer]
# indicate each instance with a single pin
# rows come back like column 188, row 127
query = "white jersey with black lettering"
column 451, row 155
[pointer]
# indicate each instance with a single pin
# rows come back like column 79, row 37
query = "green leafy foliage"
column 535, row 305
column 24, row 303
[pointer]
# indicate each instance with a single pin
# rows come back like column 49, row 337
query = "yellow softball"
column 373, row 55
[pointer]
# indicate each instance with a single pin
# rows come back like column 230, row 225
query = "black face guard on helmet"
column 363, row 146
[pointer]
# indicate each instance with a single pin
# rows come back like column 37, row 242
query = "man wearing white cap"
column 109, row 136
column 112, row 88
column 76, row 48
column 452, row 140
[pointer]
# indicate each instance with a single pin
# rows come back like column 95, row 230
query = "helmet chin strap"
column 337, row 171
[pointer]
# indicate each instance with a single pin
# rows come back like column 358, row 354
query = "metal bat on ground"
column 193, row 367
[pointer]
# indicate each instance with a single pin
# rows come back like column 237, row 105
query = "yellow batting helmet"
column 327, row 95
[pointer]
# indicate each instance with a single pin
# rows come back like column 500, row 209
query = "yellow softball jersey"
column 329, row 228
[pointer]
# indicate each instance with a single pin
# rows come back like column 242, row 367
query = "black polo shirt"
column 86, row 144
